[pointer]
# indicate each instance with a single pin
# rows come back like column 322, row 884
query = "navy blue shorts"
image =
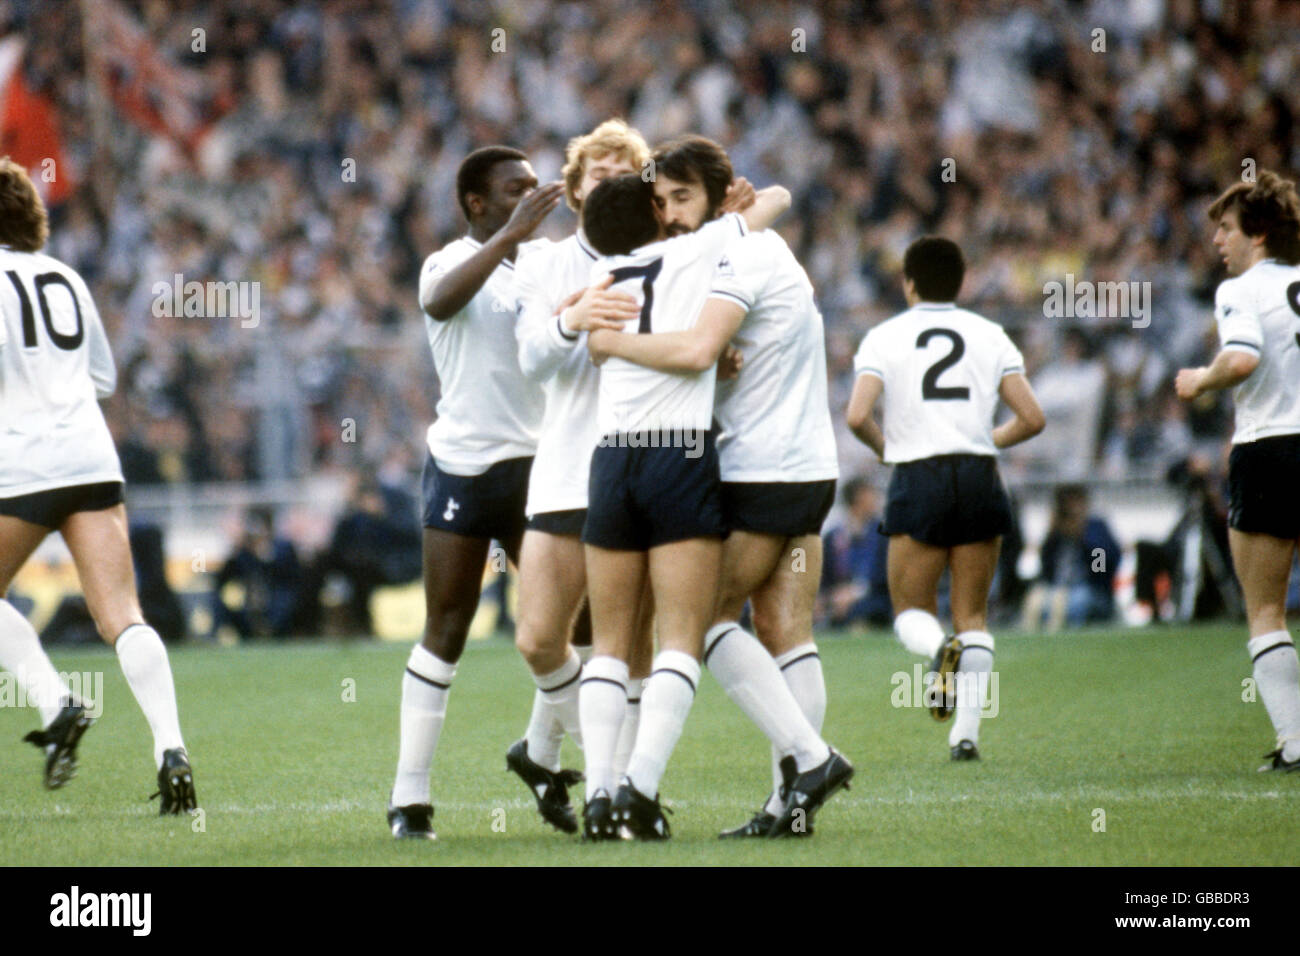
column 947, row 500
column 1263, row 476
column 490, row 505
column 641, row 497
column 50, row 509
column 567, row 523
column 785, row 508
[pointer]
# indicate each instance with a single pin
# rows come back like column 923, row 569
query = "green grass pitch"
column 1149, row 728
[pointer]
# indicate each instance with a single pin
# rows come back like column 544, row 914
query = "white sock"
column 555, row 712
column 919, row 632
column 583, row 651
column 22, row 655
column 802, row 669
column 143, row 657
column 425, row 687
column 665, row 702
column 631, row 723
column 753, row 681
column 602, row 702
column 1277, row 675
column 972, row 679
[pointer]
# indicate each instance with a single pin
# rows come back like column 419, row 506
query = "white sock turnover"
column 602, row 702
column 665, row 703
column 425, row 688
column 143, row 657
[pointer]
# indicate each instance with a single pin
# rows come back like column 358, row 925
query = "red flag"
column 144, row 84
column 28, row 132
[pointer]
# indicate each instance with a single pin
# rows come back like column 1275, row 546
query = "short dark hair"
column 472, row 177
column 696, row 159
column 1064, row 494
column 619, row 215
column 936, row 266
column 1268, row 207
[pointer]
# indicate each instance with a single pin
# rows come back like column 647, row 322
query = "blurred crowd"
column 1049, row 138
column 1056, row 141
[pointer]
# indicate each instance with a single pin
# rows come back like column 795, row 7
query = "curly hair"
column 612, row 136
column 1268, row 207
column 24, row 224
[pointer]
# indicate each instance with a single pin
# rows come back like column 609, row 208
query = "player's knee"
column 537, row 645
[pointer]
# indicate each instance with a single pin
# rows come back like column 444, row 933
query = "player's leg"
column 914, row 569
column 639, row 663
column 741, row 665
column 783, row 621
column 101, row 550
column 21, row 653
column 1263, row 565
column 453, row 576
column 614, row 577
column 972, row 567
column 683, row 577
column 552, row 582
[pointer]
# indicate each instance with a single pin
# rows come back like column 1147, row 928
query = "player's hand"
column 599, row 308
column 531, row 210
column 569, row 300
column 739, row 197
column 1188, row 383
column 598, row 346
column 729, row 363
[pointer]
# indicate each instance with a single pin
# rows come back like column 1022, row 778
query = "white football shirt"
column 775, row 415
column 489, row 411
column 942, row 367
column 55, row 364
column 671, row 280
column 1258, row 312
column 557, row 359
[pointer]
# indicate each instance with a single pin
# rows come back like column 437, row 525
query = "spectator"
column 855, row 584
column 1079, row 559
column 267, row 571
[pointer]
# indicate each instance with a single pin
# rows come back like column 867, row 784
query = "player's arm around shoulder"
column 691, row 351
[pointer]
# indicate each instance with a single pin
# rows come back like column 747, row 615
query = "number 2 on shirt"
column 930, row 388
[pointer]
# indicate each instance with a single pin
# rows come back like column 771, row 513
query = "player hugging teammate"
column 652, row 516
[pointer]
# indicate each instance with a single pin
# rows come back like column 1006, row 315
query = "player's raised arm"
column 1029, row 420
column 860, row 414
column 769, row 205
column 451, row 292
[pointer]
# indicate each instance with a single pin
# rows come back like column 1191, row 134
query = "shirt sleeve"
column 1010, row 362
column 715, row 236
column 741, row 273
column 868, row 360
column 103, row 371
column 1239, row 327
column 544, row 342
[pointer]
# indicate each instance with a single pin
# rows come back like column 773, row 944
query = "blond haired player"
column 556, row 310
column 1258, row 314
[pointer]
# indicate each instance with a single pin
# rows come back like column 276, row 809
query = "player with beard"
column 778, row 466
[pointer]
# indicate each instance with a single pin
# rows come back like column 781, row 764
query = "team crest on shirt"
column 450, row 513
column 725, row 268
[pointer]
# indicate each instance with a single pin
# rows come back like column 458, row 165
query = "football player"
column 654, row 505
column 778, row 465
column 941, row 371
column 551, row 330
column 59, row 472
column 1257, row 235
column 480, row 446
